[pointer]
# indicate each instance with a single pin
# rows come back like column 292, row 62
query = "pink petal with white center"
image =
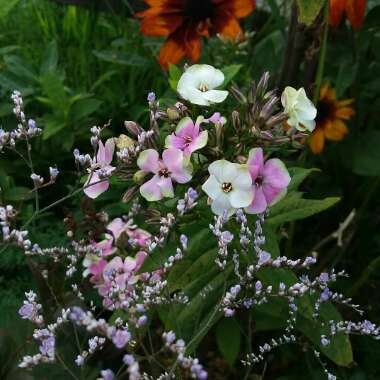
column 255, row 162
column 259, row 203
column 93, row 191
column 273, row 194
column 275, row 174
column 148, row 161
column 177, row 165
column 150, row 190
column 140, row 258
column 166, row 187
column 109, row 150
column 117, row 227
column 198, row 143
column 173, row 141
column 105, row 153
column 185, row 125
column 129, row 264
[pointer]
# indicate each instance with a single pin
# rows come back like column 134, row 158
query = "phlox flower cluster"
column 185, row 168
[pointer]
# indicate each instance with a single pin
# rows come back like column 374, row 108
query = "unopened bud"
column 139, row 176
column 132, row 127
column 173, row 113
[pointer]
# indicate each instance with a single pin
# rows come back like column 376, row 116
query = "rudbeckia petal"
column 355, row 10
column 336, row 11
column 336, row 130
column 172, row 51
column 317, row 140
column 344, row 113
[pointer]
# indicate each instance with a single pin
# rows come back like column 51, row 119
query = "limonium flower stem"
column 322, row 56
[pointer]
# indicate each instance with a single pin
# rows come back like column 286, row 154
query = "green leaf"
column 228, row 339
column 52, row 127
column 121, row 58
column 6, row 6
column 339, row 350
column 84, row 108
column 18, row 193
column 309, row 10
column 366, row 154
column 50, row 59
column 20, row 68
column 294, row 208
column 174, row 75
column 298, row 175
column 54, row 89
column 229, row 73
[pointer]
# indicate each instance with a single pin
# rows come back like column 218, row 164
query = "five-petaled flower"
column 229, row 187
column 101, row 169
column 198, row 83
column 185, row 21
column 270, row 180
column 330, row 120
column 300, row 109
column 188, row 137
column 354, row 9
column 174, row 166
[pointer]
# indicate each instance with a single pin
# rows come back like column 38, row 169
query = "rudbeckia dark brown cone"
column 185, row 21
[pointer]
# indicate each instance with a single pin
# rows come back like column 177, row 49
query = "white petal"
column 212, row 187
column 243, row 181
column 215, row 96
column 205, row 74
column 241, row 198
column 221, row 204
column 193, row 95
column 223, row 170
column 308, row 124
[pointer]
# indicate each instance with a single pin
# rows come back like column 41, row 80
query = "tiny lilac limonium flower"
column 229, row 187
column 188, row 137
column 103, row 164
column 173, row 167
column 270, row 180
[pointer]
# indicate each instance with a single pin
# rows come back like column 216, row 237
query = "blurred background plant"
column 78, row 66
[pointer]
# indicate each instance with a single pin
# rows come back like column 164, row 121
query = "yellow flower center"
column 227, row 187
column 203, row 87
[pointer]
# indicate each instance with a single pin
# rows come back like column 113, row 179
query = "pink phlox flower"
column 173, row 167
column 100, row 169
column 118, row 226
column 188, row 137
column 216, row 119
column 270, row 180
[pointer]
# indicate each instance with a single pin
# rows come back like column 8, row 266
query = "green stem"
column 322, row 56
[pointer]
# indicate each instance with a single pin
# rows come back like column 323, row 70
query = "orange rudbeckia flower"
column 330, row 120
column 185, row 21
column 355, row 10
